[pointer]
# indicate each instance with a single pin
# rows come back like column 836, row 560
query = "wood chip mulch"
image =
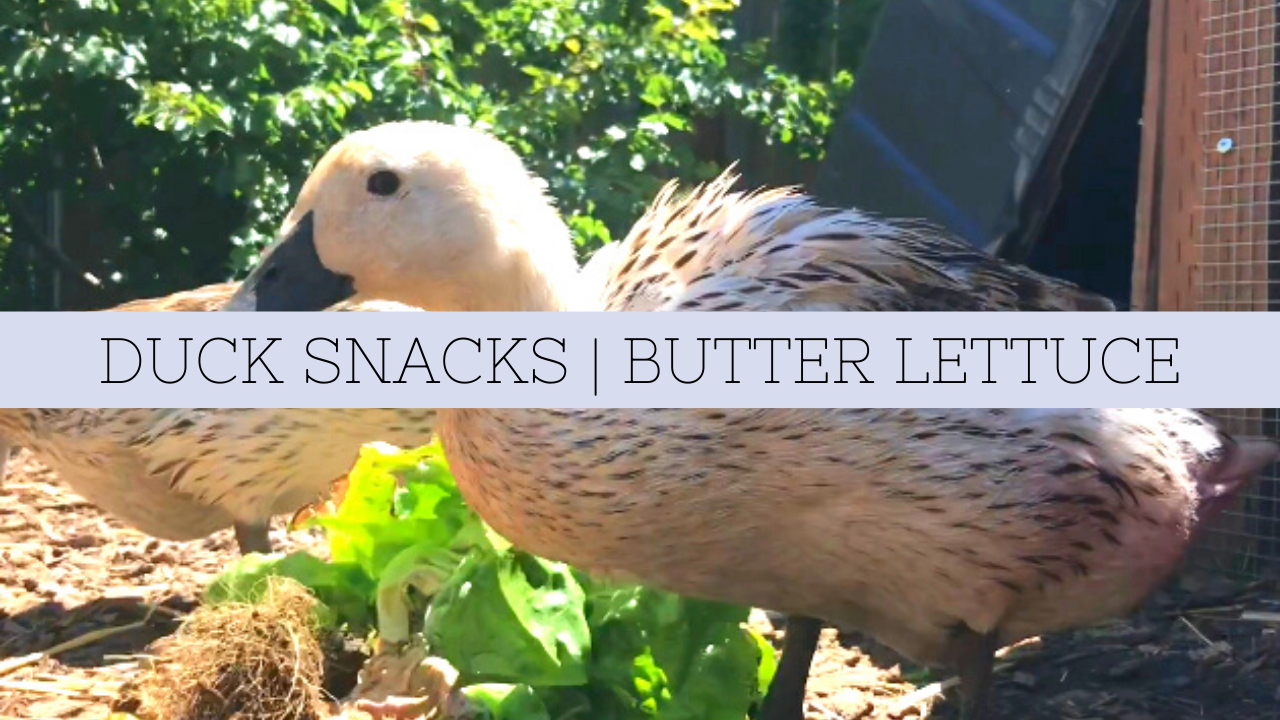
column 1203, row 649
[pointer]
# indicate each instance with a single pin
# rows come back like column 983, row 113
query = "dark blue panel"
column 960, row 106
column 1016, row 26
column 916, row 177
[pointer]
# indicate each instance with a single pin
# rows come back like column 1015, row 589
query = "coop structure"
column 1034, row 129
column 1208, row 231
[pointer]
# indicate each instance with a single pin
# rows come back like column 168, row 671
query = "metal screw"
column 1225, row 145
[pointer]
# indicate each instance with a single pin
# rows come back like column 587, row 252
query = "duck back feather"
column 775, row 249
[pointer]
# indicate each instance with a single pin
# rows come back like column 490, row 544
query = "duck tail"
column 1241, row 461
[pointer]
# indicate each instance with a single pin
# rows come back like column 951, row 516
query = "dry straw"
column 250, row 662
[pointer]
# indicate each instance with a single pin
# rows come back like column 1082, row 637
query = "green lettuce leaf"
column 491, row 701
column 511, row 617
column 342, row 588
column 660, row 654
column 396, row 500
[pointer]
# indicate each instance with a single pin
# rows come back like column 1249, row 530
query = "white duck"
column 183, row 474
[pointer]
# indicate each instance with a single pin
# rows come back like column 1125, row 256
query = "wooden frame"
column 1169, row 168
column 1203, row 214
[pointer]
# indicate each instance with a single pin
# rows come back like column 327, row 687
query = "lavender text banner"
column 689, row 359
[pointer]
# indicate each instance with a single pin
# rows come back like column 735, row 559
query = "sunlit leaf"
column 429, row 21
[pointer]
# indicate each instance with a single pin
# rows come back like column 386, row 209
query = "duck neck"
column 542, row 270
column 542, row 282
column 527, row 265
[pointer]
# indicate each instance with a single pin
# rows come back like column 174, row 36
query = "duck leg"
column 253, row 537
column 975, row 662
column 785, row 699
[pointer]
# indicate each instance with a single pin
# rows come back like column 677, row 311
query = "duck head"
column 436, row 216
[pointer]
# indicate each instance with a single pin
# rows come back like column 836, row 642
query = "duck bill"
column 291, row 277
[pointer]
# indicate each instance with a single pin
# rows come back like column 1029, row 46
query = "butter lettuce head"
column 532, row 639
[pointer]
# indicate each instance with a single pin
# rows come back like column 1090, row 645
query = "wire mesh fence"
column 1238, row 240
column 1245, row 540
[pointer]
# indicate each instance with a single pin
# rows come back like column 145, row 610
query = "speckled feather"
column 775, row 249
column 1012, row 522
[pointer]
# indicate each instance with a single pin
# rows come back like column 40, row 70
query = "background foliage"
column 168, row 136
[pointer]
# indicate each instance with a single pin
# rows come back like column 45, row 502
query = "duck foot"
column 785, row 699
column 253, row 537
column 975, row 663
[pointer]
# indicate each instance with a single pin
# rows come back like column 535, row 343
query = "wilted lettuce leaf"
column 423, row 567
column 511, row 617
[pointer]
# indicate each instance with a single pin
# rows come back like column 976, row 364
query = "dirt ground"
column 1203, row 649
column 68, row 571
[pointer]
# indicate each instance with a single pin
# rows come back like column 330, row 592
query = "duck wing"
column 776, row 249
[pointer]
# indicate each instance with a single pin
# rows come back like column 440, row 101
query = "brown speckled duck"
column 942, row 533
column 183, row 474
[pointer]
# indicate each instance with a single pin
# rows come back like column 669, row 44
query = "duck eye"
column 383, row 182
